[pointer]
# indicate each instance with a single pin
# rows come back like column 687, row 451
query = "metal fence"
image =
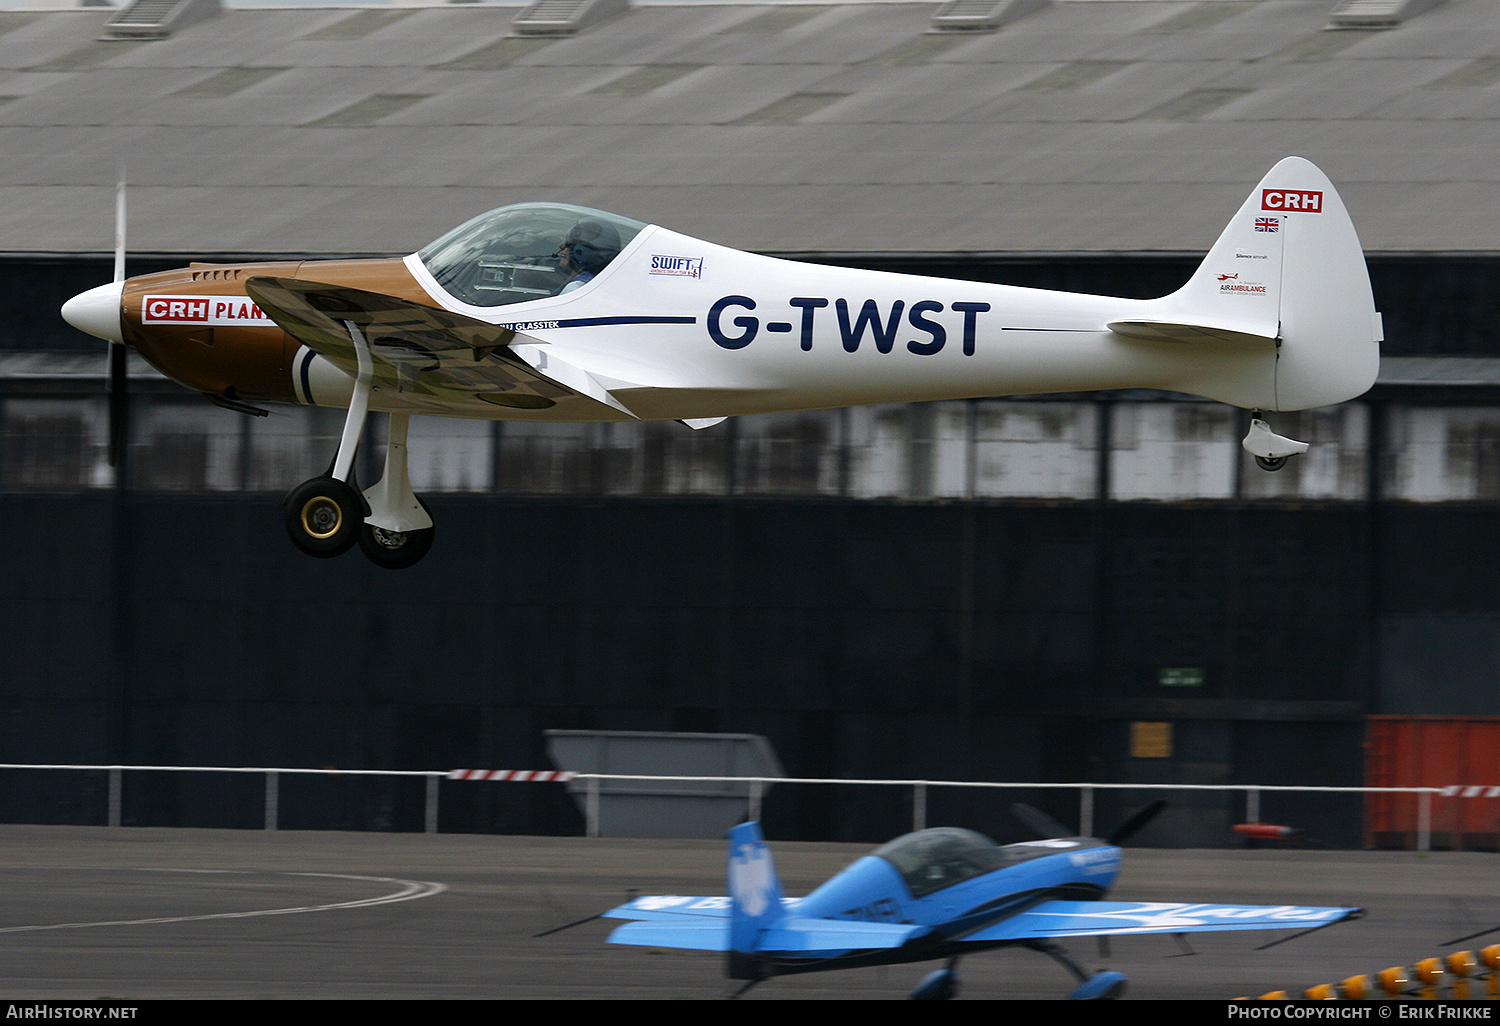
column 754, row 790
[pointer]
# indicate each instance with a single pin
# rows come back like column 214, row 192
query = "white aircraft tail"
column 1285, row 286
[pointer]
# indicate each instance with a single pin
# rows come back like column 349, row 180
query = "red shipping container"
column 1461, row 753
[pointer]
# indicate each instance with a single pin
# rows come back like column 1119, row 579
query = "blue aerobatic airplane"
column 940, row 893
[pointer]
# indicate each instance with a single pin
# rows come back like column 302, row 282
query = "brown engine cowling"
column 198, row 327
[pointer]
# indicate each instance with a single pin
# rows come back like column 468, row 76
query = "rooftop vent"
column 564, row 17
column 1365, row 14
column 156, row 19
column 981, row 15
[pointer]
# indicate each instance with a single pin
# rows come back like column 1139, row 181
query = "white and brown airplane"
column 544, row 311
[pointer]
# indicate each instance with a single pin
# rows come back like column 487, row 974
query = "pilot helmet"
column 591, row 245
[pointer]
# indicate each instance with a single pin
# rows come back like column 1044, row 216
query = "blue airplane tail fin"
column 755, row 898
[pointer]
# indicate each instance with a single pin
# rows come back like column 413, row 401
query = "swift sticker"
column 676, row 266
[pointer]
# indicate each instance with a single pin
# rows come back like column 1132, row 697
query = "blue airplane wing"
column 1093, row 918
column 804, row 936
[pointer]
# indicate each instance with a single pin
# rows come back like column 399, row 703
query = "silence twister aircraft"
column 941, row 893
column 544, row 311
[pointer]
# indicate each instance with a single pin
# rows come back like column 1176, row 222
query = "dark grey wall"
column 886, row 640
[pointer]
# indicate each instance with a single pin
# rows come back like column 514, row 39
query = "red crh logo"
column 158, row 308
column 1304, row 200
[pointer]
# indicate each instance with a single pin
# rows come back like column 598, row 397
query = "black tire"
column 324, row 517
column 396, row 550
column 1271, row 463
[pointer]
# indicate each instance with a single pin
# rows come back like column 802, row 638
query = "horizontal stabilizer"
column 1113, row 918
column 803, row 936
column 1173, row 331
column 703, row 936
column 807, row 936
column 671, row 908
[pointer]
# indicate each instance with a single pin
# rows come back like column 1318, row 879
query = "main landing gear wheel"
column 324, row 517
column 1271, row 462
column 395, row 550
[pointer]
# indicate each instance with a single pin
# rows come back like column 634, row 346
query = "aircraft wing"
column 1113, row 918
column 424, row 349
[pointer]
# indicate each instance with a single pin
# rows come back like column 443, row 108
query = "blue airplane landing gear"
column 1100, row 987
column 941, row 985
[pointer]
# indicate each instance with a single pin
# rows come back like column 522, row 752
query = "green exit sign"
column 1181, row 677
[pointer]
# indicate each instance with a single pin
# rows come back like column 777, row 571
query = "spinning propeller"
column 1048, row 827
column 97, row 312
column 119, row 399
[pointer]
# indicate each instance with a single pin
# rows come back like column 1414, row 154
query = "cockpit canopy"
column 516, row 253
column 930, row 860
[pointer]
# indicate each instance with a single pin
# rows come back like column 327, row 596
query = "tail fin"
column 755, row 899
column 1288, row 272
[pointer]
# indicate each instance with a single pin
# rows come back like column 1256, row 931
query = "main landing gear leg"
column 399, row 530
column 1098, row 987
column 325, row 516
column 940, row 985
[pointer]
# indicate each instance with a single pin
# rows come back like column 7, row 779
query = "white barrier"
column 754, row 789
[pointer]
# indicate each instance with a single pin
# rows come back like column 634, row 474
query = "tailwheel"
column 325, row 517
column 396, row 550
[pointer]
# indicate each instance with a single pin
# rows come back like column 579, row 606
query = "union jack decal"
column 1267, row 224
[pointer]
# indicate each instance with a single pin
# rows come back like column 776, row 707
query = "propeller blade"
column 119, row 383
column 1128, row 828
column 120, row 227
column 1041, row 823
column 119, row 403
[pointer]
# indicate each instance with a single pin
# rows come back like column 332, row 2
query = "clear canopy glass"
column 526, row 251
column 930, row 860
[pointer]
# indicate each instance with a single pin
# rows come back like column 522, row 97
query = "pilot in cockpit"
column 589, row 246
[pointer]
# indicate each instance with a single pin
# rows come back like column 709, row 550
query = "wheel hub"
column 321, row 517
column 388, row 539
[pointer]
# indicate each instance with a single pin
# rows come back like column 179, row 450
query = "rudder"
column 755, row 899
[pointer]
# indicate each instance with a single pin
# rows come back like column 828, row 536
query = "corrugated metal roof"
column 1085, row 126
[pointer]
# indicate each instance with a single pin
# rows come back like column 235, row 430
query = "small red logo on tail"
column 1302, row 200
